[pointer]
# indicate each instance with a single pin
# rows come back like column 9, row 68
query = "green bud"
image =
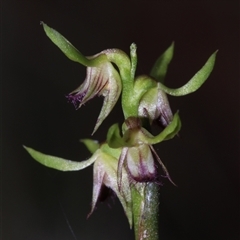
column 154, row 105
column 139, row 163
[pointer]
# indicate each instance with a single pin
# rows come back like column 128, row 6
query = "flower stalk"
column 126, row 161
column 145, row 209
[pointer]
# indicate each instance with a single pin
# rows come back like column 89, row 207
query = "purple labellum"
column 105, row 192
column 76, row 98
column 94, row 84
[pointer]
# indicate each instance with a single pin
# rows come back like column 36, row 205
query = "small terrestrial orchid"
column 126, row 162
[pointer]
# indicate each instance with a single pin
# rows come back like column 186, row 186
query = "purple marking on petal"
column 149, row 178
column 75, row 99
column 144, row 175
column 101, row 83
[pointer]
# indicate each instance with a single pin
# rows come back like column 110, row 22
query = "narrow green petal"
column 91, row 145
column 59, row 163
column 160, row 67
column 169, row 132
column 68, row 49
column 196, row 81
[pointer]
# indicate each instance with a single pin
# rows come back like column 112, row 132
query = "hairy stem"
column 145, row 210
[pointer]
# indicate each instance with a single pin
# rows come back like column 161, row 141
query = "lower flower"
column 138, row 156
column 105, row 160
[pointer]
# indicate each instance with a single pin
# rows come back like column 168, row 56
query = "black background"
column 38, row 202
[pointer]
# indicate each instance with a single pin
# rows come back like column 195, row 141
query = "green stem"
column 145, row 210
column 126, row 70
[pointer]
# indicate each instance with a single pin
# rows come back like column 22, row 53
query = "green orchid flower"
column 102, row 78
column 138, row 155
column 105, row 165
column 150, row 94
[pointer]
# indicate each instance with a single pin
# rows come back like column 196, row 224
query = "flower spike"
column 126, row 163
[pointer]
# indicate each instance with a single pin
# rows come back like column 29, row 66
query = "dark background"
column 37, row 202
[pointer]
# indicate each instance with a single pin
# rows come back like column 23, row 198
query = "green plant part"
column 101, row 80
column 105, row 162
column 160, row 67
column 125, row 163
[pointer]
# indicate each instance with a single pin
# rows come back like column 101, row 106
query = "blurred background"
column 40, row 203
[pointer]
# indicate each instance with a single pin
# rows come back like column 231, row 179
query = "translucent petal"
column 65, row 46
column 59, row 163
column 195, row 82
column 111, row 93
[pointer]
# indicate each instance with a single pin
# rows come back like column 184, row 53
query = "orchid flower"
column 102, row 78
column 105, row 163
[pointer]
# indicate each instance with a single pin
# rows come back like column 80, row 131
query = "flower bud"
column 154, row 105
column 140, row 163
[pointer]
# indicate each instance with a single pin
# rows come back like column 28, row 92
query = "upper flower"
column 144, row 97
column 102, row 77
column 154, row 106
column 102, row 80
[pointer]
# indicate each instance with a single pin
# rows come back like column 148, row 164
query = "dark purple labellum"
column 105, row 192
column 76, row 98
